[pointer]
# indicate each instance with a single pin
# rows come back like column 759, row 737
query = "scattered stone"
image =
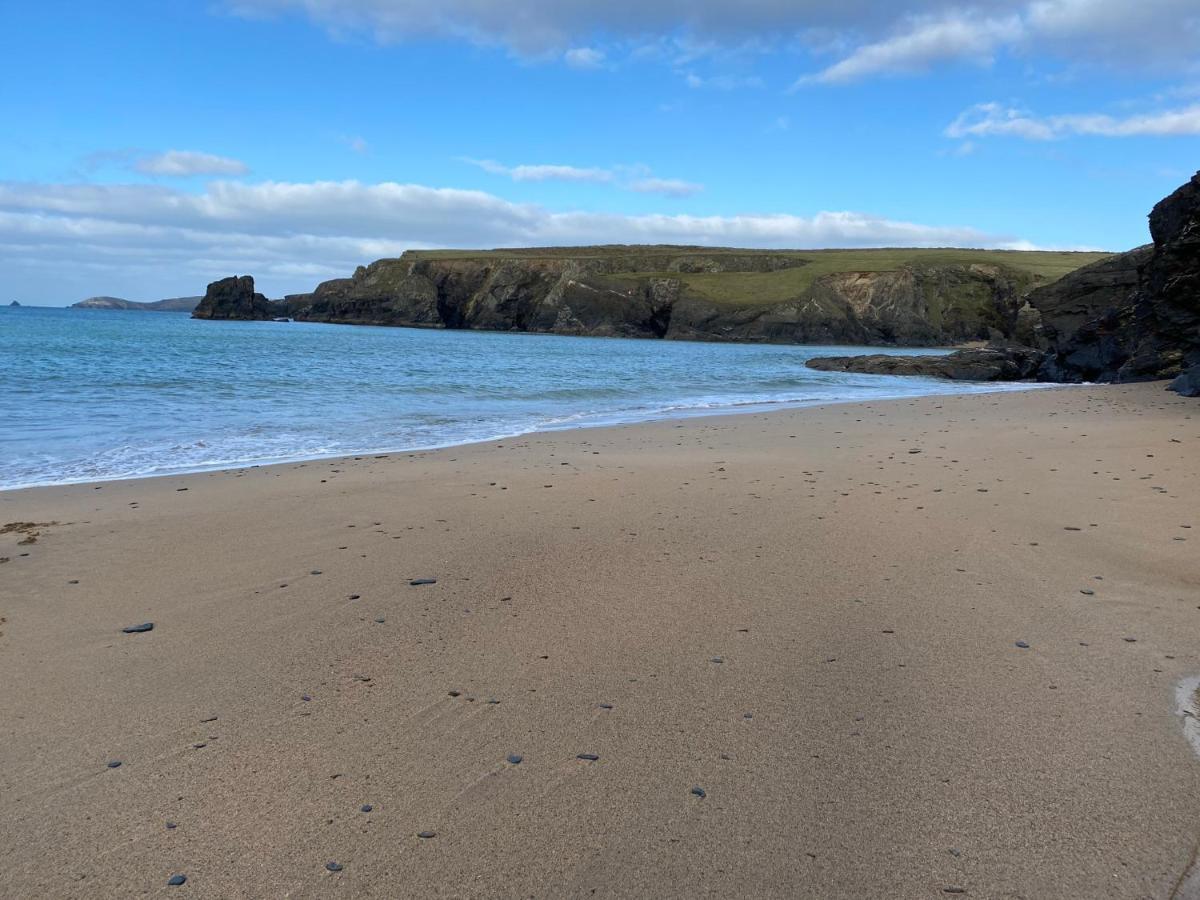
column 419, row 581
column 1024, row 645
column 1088, row 591
column 114, row 764
column 354, row 597
column 699, row 792
column 209, row 719
column 590, row 757
column 305, row 698
column 380, row 621
column 171, row 826
column 606, row 706
column 455, row 693
column 717, row 659
column 333, row 866
column 138, row 629
column 176, row 880
column 366, row 807
column 1131, row 640
column 315, row 572
column 426, row 835
column 515, row 758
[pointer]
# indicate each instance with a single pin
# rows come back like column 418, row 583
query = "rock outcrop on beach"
column 171, row 304
column 885, row 297
column 1135, row 316
column 235, row 298
column 998, row 363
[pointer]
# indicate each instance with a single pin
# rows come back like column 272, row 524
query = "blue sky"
column 152, row 147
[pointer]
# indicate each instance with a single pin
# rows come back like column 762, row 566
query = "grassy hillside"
column 797, row 270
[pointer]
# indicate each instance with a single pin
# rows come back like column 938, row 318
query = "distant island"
column 14, row 303
column 171, row 304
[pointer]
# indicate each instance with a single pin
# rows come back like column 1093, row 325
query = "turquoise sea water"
column 93, row 394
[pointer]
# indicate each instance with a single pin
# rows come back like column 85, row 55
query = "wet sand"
column 813, row 616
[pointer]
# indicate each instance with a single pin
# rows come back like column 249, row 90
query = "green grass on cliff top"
column 1039, row 266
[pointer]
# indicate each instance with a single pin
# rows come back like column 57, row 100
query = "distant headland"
column 171, row 304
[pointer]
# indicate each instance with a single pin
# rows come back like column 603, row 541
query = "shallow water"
column 95, row 394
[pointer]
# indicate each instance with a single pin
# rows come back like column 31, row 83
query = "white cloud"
column 670, row 187
column 132, row 238
column 542, row 172
column 723, row 82
column 584, row 58
column 631, row 178
column 923, row 45
column 183, row 163
column 993, row 119
column 1150, row 34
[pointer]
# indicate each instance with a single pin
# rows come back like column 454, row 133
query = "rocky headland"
column 877, row 297
column 1134, row 316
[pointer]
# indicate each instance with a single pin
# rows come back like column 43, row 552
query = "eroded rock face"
column 606, row 296
column 234, row 298
column 981, row 364
column 1135, row 316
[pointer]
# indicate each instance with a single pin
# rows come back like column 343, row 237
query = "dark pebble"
column 380, row 621
column 305, row 698
column 717, row 659
column 606, row 706
column 366, row 807
column 1087, row 591
column 515, row 758
column 590, row 757
column 954, row 890
column 419, row 581
column 315, row 572
column 426, row 835
column 455, row 693
column 354, row 597
column 176, row 880
column 138, row 629
column 114, row 764
column 333, row 866
column 1024, row 645
column 1130, row 640
column 209, row 719
column 700, row 792
column 171, row 826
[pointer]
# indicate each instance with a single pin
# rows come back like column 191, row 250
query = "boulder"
column 1187, row 384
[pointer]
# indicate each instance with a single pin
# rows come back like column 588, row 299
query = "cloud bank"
column 123, row 238
column 882, row 37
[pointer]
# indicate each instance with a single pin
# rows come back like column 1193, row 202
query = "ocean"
column 89, row 395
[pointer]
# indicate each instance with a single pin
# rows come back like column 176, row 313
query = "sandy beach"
column 893, row 649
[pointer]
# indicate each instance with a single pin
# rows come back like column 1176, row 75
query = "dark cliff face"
column 1135, row 316
column 613, row 296
column 234, row 298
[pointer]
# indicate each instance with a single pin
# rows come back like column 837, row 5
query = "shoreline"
column 682, row 413
column 900, row 646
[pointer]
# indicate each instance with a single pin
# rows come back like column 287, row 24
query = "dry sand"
column 795, row 612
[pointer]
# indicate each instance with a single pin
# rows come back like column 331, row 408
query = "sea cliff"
column 886, row 297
